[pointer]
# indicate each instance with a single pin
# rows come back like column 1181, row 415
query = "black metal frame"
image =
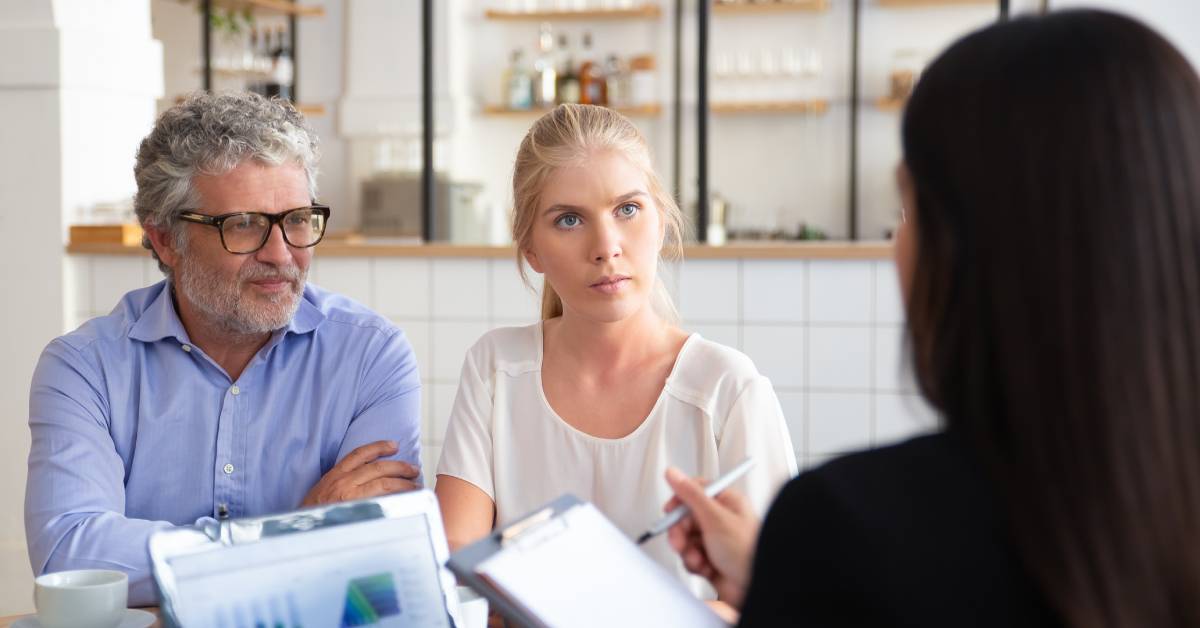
column 702, row 201
column 704, row 16
column 427, row 129
column 703, row 9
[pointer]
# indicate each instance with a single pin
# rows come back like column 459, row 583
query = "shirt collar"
column 307, row 316
column 160, row 320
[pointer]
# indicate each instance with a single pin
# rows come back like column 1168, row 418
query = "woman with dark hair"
column 1050, row 266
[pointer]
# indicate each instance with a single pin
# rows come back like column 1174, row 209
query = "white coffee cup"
column 85, row 598
column 472, row 609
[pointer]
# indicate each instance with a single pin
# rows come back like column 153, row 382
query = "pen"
column 712, row 490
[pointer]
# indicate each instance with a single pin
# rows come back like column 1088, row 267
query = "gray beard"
column 221, row 302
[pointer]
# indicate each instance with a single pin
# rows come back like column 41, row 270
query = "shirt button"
column 235, row 390
column 228, row 468
column 187, row 348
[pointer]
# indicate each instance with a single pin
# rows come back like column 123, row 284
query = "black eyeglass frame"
column 272, row 220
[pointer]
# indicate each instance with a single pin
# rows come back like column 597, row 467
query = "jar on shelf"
column 905, row 69
column 643, row 88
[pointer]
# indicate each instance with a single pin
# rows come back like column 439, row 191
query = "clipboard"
column 377, row 561
column 565, row 564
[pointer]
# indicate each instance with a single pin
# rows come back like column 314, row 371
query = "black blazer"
column 906, row 535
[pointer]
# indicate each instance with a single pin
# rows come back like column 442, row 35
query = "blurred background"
column 775, row 122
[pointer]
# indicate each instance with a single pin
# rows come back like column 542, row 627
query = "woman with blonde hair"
column 606, row 391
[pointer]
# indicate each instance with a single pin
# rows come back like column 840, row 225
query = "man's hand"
column 361, row 475
column 717, row 539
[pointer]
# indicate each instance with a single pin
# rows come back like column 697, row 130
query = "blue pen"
column 712, row 490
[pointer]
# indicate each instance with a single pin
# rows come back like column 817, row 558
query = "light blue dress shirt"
column 135, row 429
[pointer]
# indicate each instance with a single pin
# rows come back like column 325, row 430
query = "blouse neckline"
column 662, row 394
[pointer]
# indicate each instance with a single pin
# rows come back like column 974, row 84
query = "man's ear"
column 531, row 258
column 163, row 242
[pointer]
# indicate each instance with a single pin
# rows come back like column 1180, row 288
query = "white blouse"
column 713, row 412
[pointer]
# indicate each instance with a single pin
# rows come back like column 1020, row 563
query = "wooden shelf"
column 914, row 4
column 642, row 111
column 311, row 110
column 281, row 7
column 367, row 247
column 644, row 12
column 887, row 103
column 773, row 8
column 815, row 107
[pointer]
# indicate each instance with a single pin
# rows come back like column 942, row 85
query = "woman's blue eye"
column 629, row 210
column 567, row 220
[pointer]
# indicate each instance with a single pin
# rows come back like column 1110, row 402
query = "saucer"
column 133, row 619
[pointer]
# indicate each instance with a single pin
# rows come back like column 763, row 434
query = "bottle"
column 545, row 75
column 568, row 77
column 592, row 87
column 616, row 80
column 252, row 63
column 642, row 88
column 518, row 84
column 280, row 83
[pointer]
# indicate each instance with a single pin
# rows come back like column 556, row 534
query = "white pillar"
column 78, row 82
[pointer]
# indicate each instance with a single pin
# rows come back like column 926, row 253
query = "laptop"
column 375, row 562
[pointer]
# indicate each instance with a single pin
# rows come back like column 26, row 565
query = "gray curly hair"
column 211, row 134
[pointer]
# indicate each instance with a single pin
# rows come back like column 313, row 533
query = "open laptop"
column 375, row 562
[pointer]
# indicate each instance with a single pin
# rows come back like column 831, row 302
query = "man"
column 230, row 389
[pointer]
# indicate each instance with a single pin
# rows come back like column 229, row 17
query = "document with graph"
column 372, row 563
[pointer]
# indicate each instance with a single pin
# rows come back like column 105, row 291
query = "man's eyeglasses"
column 247, row 232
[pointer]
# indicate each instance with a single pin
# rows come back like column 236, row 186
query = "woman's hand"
column 717, row 539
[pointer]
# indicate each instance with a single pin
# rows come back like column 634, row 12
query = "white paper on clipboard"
column 579, row 570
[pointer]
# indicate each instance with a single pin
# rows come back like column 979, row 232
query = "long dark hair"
column 1054, row 311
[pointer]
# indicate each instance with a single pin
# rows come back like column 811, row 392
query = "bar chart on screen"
column 382, row 575
column 370, row 599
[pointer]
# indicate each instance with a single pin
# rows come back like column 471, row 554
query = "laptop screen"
column 382, row 572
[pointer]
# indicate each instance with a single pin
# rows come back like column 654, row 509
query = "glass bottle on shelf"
column 568, row 75
column 248, row 61
column 616, row 80
column 518, row 84
column 592, row 86
column 259, row 63
column 545, row 74
column 280, row 82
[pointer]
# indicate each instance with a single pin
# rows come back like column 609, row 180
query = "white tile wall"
column 826, row 332
column 441, row 397
column 460, row 288
column 839, row 357
column 419, row 336
column 777, row 351
column 795, row 412
column 348, row 276
column 77, row 275
column 889, row 307
column 112, row 277
column 773, row 291
column 513, row 301
column 402, row 288
column 900, row 416
column 892, row 371
column 838, row 422
column 841, row 291
column 708, row 292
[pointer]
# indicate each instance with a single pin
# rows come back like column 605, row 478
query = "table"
column 5, row 622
